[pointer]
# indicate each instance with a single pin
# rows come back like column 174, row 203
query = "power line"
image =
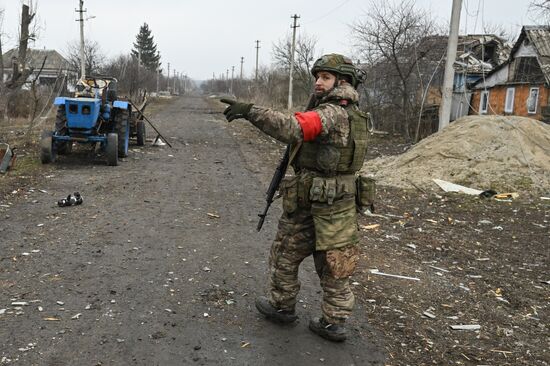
column 328, row 13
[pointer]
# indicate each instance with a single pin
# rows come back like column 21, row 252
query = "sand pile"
column 502, row 153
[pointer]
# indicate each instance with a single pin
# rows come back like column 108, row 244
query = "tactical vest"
column 336, row 160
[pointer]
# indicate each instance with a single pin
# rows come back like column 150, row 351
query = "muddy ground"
column 161, row 264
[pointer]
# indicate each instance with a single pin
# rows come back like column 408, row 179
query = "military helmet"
column 339, row 65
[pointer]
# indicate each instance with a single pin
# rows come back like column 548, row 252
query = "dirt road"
column 160, row 265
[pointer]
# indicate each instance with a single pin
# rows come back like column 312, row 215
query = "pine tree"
column 144, row 44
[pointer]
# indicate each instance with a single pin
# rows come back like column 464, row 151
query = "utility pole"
column 257, row 53
column 242, row 61
column 158, row 81
column 139, row 63
column 168, row 79
column 232, row 77
column 448, row 80
column 81, row 12
column 293, row 47
column 184, row 83
column 174, row 81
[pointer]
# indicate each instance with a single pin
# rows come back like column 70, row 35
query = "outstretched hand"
column 235, row 109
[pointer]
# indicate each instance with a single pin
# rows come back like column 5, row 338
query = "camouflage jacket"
column 284, row 126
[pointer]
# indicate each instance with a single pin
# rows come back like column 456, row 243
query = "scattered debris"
column 74, row 199
column 19, row 303
column 376, row 272
column 452, row 187
column 370, row 227
column 428, row 314
column 466, row 327
column 439, row 269
column 506, row 196
column 214, row 216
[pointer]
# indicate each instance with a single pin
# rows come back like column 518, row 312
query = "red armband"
column 310, row 123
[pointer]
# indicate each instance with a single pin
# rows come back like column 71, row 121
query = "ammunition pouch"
column 366, row 191
column 289, row 190
column 335, row 224
column 330, row 189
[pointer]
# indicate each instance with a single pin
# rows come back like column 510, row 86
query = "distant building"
column 55, row 66
column 520, row 86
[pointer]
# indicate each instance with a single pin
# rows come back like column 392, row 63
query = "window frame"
column 509, row 100
column 481, row 109
column 536, row 100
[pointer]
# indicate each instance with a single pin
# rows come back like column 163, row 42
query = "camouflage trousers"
column 294, row 242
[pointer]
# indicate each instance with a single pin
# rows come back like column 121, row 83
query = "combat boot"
column 272, row 313
column 332, row 332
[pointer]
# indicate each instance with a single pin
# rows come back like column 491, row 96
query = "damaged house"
column 477, row 55
column 520, row 86
column 47, row 66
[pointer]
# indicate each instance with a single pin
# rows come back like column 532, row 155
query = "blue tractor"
column 94, row 116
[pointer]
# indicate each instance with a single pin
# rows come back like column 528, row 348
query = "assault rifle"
column 280, row 173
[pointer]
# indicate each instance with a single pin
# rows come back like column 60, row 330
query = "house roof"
column 35, row 57
column 472, row 51
column 539, row 36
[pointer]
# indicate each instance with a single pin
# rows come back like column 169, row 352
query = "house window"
column 532, row 101
column 484, row 102
column 509, row 104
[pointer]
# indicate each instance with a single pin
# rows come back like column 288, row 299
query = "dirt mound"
column 502, row 153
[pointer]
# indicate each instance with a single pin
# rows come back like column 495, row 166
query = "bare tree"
column 1, row 52
column 396, row 35
column 541, row 8
column 93, row 56
column 20, row 72
column 132, row 77
column 499, row 30
column 304, row 57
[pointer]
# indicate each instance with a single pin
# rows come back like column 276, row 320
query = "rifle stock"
column 279, row 174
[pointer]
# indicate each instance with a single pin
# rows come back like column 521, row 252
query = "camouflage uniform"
column 320, row 222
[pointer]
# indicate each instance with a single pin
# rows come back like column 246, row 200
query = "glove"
column 235, row 109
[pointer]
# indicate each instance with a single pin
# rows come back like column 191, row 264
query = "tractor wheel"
column 122, row 128
column 63, row 147
column 140, row 130
column 111, row 149
column 47, row 152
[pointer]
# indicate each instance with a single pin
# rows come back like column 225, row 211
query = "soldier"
column 328, row 146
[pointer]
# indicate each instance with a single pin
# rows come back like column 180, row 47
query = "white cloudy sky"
column 199, row 38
